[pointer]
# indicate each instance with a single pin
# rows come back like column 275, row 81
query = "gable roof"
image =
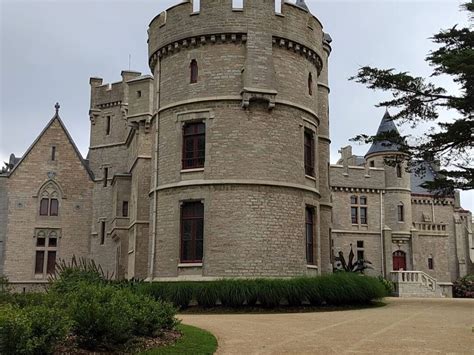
column 56, row 117
column 386, row 125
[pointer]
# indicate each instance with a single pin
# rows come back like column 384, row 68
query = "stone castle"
column 217, row 165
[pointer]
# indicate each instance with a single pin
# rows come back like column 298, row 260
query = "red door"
column 399, row 260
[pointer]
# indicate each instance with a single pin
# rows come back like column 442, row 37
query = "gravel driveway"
column 404, row 326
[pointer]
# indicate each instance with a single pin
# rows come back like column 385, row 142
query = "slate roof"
column 427, row 174
column 386, row 125
column 302, row 4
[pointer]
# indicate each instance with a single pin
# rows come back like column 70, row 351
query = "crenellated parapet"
column 217, row 21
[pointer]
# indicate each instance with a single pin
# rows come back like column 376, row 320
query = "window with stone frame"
column 309, row 231
column 359, row 210
column 102, row 232
column 46, row 252
column 309, row 152
column 310, row 84
column 399, row 170
column 401, row 212
column 430, row 262
column 49, row 200
column 194, row 71
column 125, row 209
column 192, row 232
column 194, row 145
column 360, row 250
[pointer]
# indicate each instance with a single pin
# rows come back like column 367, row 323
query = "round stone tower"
column 241, row 151
column 397, row 199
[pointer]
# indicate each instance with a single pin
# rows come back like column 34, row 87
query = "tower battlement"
column 180, row 27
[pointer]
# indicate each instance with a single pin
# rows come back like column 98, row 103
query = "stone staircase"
column 418, row 284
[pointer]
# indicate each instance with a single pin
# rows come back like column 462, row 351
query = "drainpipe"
column 155, row 177
column 381, row 234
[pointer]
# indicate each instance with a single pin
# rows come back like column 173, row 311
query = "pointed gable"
column 55, row 122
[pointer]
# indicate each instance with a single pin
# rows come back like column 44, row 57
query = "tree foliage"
column 417, row 99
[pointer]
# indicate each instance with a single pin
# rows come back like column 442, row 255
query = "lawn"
column 193, row 341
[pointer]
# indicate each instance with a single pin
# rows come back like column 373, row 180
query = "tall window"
column 106, row 176
column 194, row 145
column 53, row 153
column 401, row 212
column 125, row 209
column 399, row 170
column 107, row 126
column 310, row 84
column 46, row 249
column 309, row 152
column 49, row 207
column 310, row 235
column 354, row 210
column 102, row 232
column 363, row 210
column 194, row 71
column 359, row 210
column 360, row 250
column 430, row 262
column 192, row 232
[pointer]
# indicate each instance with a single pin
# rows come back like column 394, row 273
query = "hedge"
column 335, row 289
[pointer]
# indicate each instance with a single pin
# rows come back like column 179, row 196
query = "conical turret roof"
column 386, row 125
column 302, row 4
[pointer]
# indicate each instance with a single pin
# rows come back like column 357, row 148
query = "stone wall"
column 3, row 218
column 74, row 186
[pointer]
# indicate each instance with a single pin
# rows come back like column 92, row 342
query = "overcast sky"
column 49, row 49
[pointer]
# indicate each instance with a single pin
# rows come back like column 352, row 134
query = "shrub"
column 105, row 316
column 389, row 285
column 464, row 287
column 68, row 276
column 4, row 290
column 31, row 330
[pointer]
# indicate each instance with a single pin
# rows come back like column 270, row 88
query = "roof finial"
column 57, row 107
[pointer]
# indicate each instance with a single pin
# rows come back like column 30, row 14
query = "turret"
column 387, row 155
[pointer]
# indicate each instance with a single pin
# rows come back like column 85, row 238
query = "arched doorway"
column 399, row 260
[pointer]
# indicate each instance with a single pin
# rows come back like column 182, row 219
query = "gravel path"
column 404, row 326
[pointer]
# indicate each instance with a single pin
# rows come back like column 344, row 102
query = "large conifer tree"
column 418, row 99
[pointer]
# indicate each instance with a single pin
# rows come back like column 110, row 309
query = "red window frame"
column 192, row 232
column 309, row 152
column 194, row 145
column 309, row 233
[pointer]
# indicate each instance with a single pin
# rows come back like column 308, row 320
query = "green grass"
column 194, row 341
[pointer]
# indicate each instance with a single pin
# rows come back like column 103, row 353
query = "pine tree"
column 418, row 100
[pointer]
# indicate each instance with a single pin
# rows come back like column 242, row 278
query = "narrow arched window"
column 399, row 170
column 401, row 212
column 194, row 71
column 310, row 84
